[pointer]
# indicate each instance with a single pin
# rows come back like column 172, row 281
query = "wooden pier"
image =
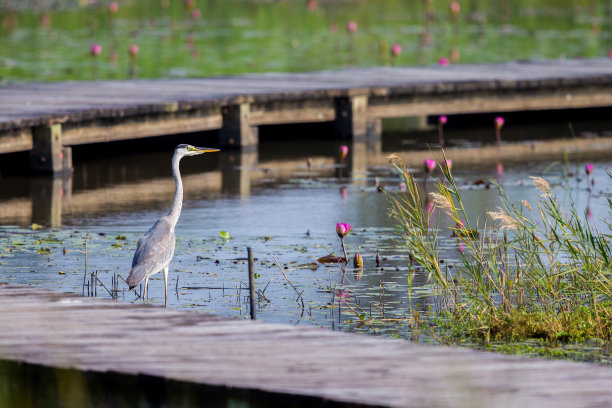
column 66, row 350
column 47, row 118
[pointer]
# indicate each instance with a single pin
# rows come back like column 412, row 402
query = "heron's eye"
column 191, row 148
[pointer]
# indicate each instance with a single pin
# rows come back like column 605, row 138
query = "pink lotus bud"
column 455, row 8
column 442, row 120
column 343, row 229
column 396, row 50
column 344, row 151
column 113, row 7
column 448, row 163
column 499, row 122
column 610, row 54
column 429, row 165
column 45, row 20
column 196, row 14
column 351, row 27
column 96, row 49
column 443, row 61
column 133, row 50
column 589, row 169
column 358, row 261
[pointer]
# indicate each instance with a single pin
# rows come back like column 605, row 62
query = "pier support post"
column 351, row 120
column 236, row 130
column 373, row 129
column 48, row 155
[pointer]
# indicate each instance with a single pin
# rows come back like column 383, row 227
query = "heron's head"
column 189, row 150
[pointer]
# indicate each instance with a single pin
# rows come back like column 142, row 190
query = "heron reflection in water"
column 154, row 251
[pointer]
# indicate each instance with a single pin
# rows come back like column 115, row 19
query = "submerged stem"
column 344, row 250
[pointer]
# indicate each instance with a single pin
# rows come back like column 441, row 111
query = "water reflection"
column 144, row 181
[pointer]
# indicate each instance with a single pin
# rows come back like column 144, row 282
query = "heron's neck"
column 177, row 204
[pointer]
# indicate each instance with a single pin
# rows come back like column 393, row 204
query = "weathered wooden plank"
column 305, row 111
column 141, row 126
column 465, row 102
column 17, row 140
column 61, row 330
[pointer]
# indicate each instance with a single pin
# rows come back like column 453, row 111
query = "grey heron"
column 154, row 251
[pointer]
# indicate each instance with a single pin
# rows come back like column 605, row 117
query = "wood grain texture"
column 68, row 331
column 150, row 107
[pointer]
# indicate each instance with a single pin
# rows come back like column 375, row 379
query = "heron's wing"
column 153, row 251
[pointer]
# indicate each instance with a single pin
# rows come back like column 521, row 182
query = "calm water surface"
column 272, row 202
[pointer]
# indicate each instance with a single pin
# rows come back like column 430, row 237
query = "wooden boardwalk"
column 76, row 351
column 44, row 117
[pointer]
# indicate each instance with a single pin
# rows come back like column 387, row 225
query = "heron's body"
column 155, row 250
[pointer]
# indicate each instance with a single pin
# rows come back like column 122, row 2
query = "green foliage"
column 236, row 36
column 537, row 270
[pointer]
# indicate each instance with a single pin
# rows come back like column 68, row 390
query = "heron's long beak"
column 200, row 150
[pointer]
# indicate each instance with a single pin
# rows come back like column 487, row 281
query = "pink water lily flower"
column 499, row 122
column 96, row 49
column 442, row 120
column 589, row 169
column 455, row 8
column 396, row 50
column 343, row 229
column 351, row 27
column 429, row 165
column 443, row 61
column 133, row 50
column 343, row 151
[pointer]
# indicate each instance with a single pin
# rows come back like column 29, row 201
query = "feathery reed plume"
column 526, row 204
column 443, row 203
column 506, row 221
column 542, row 185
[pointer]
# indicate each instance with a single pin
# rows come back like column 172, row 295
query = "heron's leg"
column 144, row 297
column 166, row 286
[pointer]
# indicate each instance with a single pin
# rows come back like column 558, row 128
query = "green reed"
column 535, row 269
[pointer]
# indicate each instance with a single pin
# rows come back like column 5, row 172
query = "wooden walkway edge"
column 73, row 349
column 45, row 118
